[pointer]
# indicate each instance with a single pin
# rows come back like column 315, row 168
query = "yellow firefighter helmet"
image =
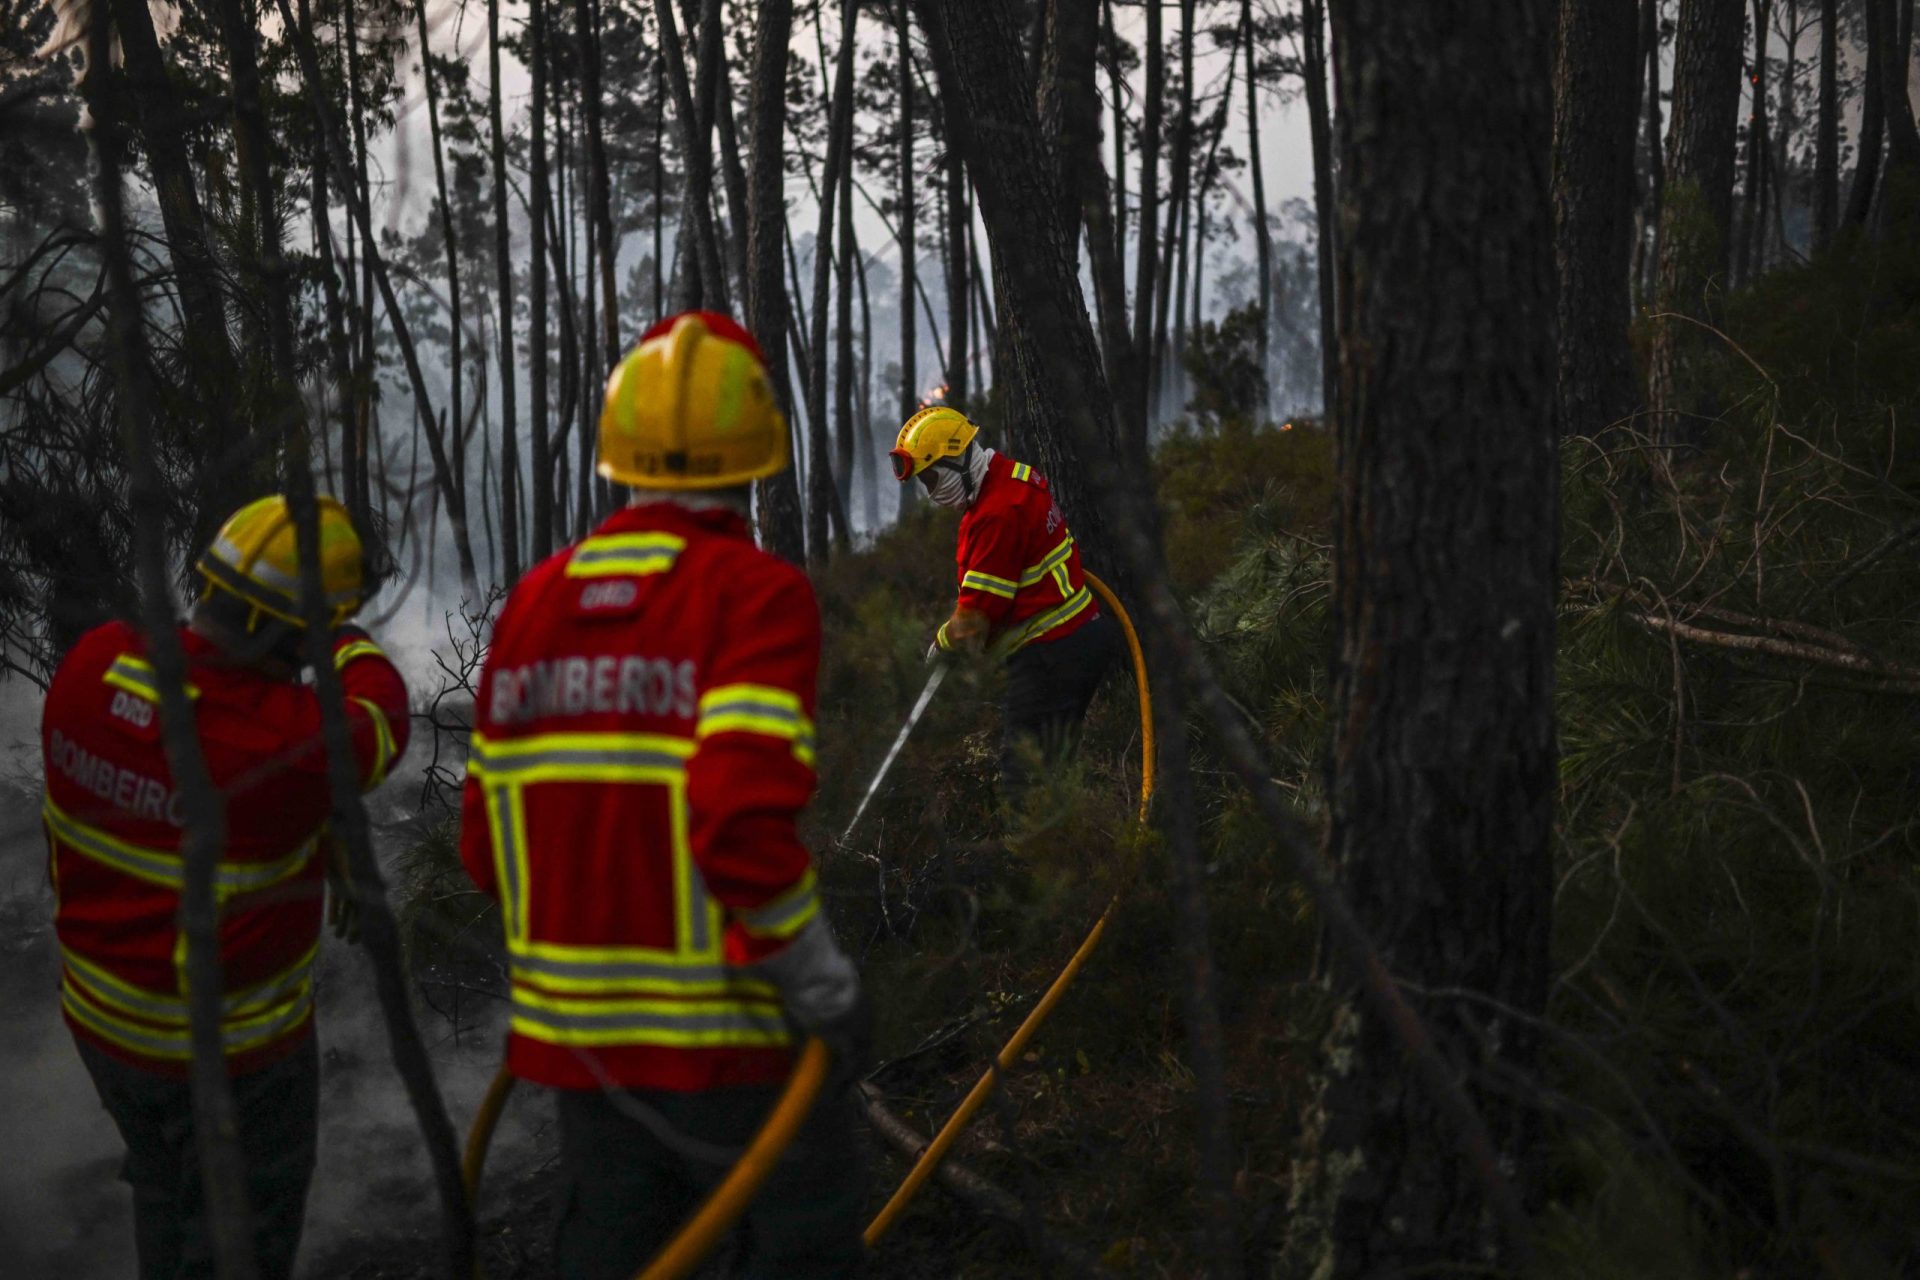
column 254, row 557
column 930, row 435
column 691, row 408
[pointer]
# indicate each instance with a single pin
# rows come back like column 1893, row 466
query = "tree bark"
column 1646, row 248
column 1593, row 143
column 543, row 459
column 1753, row 185
column 1442, row 771
column 503, row 273
column 909, row 337
column 959, row 284
column 1147, row 259
column 449, row 238
column 599, row 187
column 782, row 530
column 1696, row 217
column 820, row 489
column 696, row 149
column 230, row 457
column 843, row 372
column 976, row 56
column 1313, row 58
column 733, row 171
column 1171, row 279
column 1826, row 147
column 1873, row 128
column 1899, row 193
column 1262, row 233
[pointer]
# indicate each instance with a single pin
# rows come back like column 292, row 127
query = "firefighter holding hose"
column 114, row 827
column 1022, row 593
column 643, row 745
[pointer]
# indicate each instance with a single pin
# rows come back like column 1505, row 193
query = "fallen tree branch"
column 1897, row 678
column 975, row 1191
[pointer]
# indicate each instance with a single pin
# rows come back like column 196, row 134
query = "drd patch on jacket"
column 608, row 598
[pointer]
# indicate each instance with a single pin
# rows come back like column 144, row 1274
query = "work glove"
column 821, row 992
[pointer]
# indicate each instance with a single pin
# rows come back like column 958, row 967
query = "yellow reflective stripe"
column 1054, row 559
column 1021, row 471
column 580, row 757
column 679, row 1023
column 787, row 914
column 625, row 554
column 1065, row 612
column 116, row 992
column 176, row 1043
column 558, row 967
column 136, row 676
column 358, row 649
column 383, row 750
column 164, row 867
column 940, row 638
column 974, row 580
column 758, row 708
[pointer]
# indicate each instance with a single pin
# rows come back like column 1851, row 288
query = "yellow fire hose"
column 727, row 1201
column 695, row 1240
column 950, row 1132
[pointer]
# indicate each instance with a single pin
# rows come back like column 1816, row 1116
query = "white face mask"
column 949, row 487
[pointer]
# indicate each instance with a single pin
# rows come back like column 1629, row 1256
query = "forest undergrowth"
column 1730, row 1087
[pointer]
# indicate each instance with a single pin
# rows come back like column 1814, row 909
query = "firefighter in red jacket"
column 114, row 830
column 643, row 744
column 1023, row 595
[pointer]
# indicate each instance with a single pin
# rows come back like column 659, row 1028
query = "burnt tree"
column 1594, row 110
column 1442, row 770
column 1696, row 214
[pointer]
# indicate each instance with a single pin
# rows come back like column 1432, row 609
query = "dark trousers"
column 625, row 1191
column 1049, row 688
column 276, row 1107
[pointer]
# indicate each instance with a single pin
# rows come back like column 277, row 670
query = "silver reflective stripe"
column 622, row 970
column 768, row 1023
column 752, row 707
column 157, row 865
column 777, row 915
column 163, row 1043
column 1053, row 559
column 494, row 762
column 106, row 989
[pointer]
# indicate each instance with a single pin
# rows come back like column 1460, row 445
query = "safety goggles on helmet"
column 902, row 465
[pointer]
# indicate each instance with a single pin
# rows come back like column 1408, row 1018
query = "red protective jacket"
column 1017, row 562
column 113, row 832
column 643, row 742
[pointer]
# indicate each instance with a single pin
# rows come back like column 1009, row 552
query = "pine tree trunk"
column 1754, row 185
column 503, row 276
column 542, row 460
column 1646, row 248
column 1152, row 125
column 909, row 271
column 229, row 459
column 733, row 171
column 1262, row 233
column 1313, row 57
column 782, row 530
column 696, row 151
column 959, row 282
column 820, row 492
column 1594, row 121
column 1826, row 147
column 1442, row 770
column 599, row 189
column 843, row 374
column 1899, row 196
column 1873, row 128
column 1696, row 218
column 865, row 454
